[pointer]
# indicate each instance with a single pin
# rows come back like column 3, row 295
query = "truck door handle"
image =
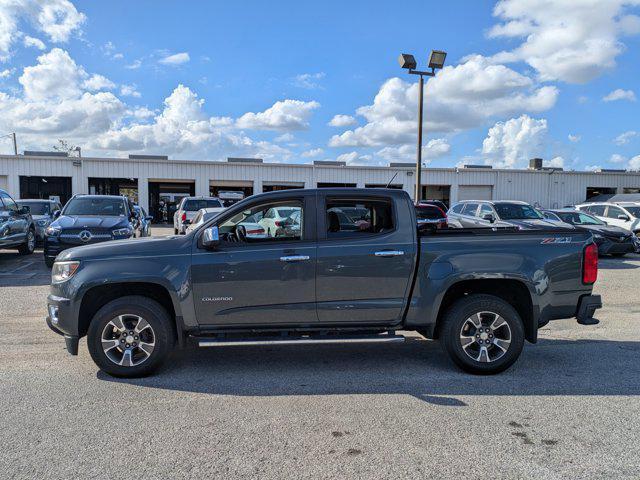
column 294, row 258
column 389, row 253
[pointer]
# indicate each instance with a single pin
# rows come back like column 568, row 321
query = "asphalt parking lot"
column 569, row 408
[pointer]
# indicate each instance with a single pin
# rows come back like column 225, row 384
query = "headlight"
column 63, row 271
column 42, row 222
column 52, row 231
column 122, row 232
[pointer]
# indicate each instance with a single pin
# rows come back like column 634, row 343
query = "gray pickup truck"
column 357, row 270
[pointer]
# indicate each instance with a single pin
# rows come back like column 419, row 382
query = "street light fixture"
column 436, row 62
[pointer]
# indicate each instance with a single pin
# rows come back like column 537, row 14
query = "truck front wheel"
column 130, row 337
column 482, row 334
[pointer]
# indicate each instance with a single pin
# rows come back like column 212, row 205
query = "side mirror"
column 623, row 217
column 56, row 214
column 489, row 218
column 25, row 210
column 211, row 238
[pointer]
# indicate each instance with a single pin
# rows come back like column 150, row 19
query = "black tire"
column 149, row 310
column 48, row 261
column 455, row 320
column 175, row 231
column 29, row 244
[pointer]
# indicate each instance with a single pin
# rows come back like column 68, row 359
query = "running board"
column 215, row 342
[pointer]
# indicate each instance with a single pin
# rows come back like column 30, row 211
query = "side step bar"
column 221, row 342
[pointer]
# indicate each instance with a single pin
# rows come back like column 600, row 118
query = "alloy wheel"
column 128, row 340
column 485, row 337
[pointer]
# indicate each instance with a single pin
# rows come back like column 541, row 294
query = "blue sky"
column 207, row 80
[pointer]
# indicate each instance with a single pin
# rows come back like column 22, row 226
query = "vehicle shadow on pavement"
column 19, row 270
column 417, row 367
column 617, row 264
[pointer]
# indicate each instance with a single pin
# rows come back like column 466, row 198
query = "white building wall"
column 547, row 189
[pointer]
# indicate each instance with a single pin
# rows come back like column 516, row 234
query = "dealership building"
column 155, row 181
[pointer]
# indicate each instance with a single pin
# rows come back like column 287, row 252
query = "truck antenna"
column 392, row 179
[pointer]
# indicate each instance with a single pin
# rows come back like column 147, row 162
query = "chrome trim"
column 389, row 253
column 294, row 258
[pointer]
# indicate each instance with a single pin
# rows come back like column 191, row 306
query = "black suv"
column 89, row 219
column 16, row 226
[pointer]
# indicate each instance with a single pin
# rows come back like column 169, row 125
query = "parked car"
column 229, row 197
column 188, row 208
column 274, row 218
column 438, row 203
column 17, row 229
column 291, row 226
column 499, row 213
column 430, row 216
column 611, row 240
column 41, row 212
column 142, row 223
column 201, row 217
column 88, row 219
column 624, row 214
column 481, row 293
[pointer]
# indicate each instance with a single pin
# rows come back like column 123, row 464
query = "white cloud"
column 98, row 82
column 592, row 168
column 314, row 152
column 625, row 137
column 556, row 162
column 56, row 76
column 135, row 65
column 7, row 72
column 574, row 138
column 619, row 94
column 634, row 163
column 28, row 41
column 175, row 59
column 461, row 97
column 129, row 91
column 512, row 143
column 57, row 19
column 342, row 121
column 617, row 158
column 283, row 115
column 435, row 148
column 569, row 40
column 355, row 158
column 285, row 137
column 141, row 113
column 310, row 81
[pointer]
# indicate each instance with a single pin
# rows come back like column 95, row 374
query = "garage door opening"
column 58, row 188
column 114, row 186
column 437, row 192
column 595, row 191
column 475, row 192
column 164, row 197
column 230, row 191
column 274, row 187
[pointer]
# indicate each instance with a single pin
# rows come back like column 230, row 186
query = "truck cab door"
column 365, row 261
column 253, row 279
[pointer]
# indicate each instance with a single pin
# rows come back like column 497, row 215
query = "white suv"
column 188, row 208
column 622, row 214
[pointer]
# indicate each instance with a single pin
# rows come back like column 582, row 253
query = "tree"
column 64, row 146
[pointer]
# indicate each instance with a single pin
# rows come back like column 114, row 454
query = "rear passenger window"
column 457, row 208
column 353, row 218
column 470, row 209
column 596, row 210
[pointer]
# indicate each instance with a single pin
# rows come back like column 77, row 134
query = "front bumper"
column 60, row 320
column 607, row 246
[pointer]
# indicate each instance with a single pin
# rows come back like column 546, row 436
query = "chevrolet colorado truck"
column 481, row 292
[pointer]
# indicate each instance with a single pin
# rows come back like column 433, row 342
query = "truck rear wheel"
column 482, row 334
column 130, row 337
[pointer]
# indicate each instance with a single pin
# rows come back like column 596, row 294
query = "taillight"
column 278, row 223
column 255, row 232
column 184, row 216
column 590, row 264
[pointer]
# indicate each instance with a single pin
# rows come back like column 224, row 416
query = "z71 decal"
column 546, row 241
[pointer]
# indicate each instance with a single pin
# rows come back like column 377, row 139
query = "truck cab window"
column 265, row 223
column 353, row 218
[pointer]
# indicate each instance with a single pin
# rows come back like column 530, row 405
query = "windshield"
column 37, row 208
column 515, row 211
column 111, row 207
column 635, row 211
column 195, row 205
column 579, row 218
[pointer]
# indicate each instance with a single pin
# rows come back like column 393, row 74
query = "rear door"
column 364, row 265
column 468, row 217
column 485, row 209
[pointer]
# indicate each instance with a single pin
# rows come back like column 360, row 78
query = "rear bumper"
column 587, row 306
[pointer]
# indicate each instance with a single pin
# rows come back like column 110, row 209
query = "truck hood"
column 135, row 247
column 87, row 221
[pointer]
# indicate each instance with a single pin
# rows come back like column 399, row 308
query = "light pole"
column 436, row 61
